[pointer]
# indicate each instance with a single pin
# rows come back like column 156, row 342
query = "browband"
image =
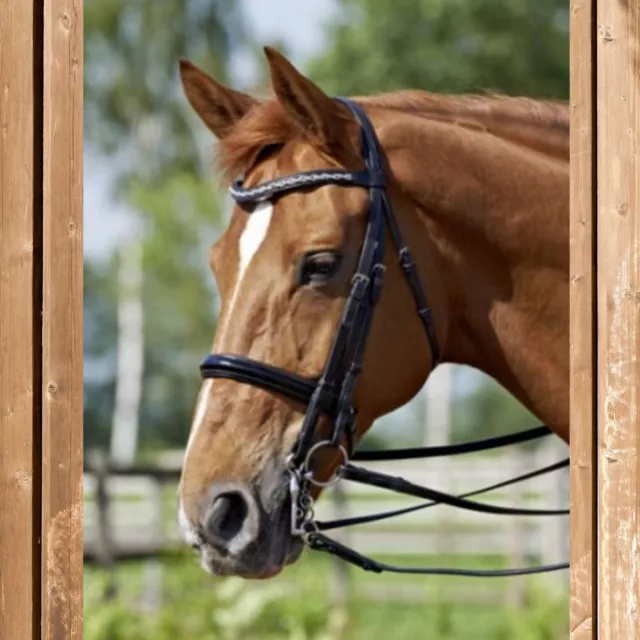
column 267, row 190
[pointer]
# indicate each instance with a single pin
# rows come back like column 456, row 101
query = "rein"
column 332, row 394
column 317, row 540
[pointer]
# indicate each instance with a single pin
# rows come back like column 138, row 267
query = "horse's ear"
column 317, row 113
column 219, row 107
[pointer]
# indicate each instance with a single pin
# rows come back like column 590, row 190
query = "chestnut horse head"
column 479, row 189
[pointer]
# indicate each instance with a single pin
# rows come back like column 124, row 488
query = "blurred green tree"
column 488, row 410
column 134, row 107
column 182, row 219
column 100, row 325
column 454, row 46
column 136, row 116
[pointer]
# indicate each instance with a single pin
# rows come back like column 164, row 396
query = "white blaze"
column 251, row 239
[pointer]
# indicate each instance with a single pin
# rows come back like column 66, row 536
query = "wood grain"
column 618, row 289
column 41, row 320
column 583, row 576
column 62, row 334
column 19, row 327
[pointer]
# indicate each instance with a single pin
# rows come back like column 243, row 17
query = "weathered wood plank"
column 62, row 437
column 618, row 289
column 582, row 221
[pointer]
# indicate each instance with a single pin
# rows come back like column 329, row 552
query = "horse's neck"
column 496, row 216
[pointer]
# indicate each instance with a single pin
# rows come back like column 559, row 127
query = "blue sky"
column 298, row 22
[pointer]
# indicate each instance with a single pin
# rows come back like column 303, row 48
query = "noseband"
column 332, row 394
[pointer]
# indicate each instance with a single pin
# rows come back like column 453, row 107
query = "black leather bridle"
column 332, row 393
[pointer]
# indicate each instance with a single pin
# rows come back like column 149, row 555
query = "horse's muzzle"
column 241, row 531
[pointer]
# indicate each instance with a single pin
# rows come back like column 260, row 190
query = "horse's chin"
column 283, row 551
column 275, row 570
column 295, row 548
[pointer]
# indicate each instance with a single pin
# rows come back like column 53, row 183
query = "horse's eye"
column 319, row 267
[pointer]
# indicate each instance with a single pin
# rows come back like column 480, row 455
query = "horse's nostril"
column 226, row 517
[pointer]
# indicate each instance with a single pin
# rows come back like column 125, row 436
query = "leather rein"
column 332, row 393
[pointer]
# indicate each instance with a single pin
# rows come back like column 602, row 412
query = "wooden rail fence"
column 130, row 515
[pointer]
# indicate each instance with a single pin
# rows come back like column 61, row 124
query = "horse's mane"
column 545, row 114
column 268, row 124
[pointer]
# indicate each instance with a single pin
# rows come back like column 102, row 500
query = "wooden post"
column 20, row 297
column 582, row 317
column 41, row 339
column 618, row 326
column 105, row 530
column 130, row 355
column 605, row 328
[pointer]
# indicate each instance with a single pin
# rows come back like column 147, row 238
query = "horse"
column 478, row 185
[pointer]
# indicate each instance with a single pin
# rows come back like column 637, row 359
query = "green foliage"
column 137, row 115
column 511, row 46
column 100, row 325
column 297, row 606
column 545, row 617
column 133, row 99
column 199, row 607
column 182, row 219
column 489, row 410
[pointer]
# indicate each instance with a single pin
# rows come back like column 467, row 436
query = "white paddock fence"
column 131, row 514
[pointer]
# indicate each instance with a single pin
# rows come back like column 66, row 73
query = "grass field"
column 297, row 605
